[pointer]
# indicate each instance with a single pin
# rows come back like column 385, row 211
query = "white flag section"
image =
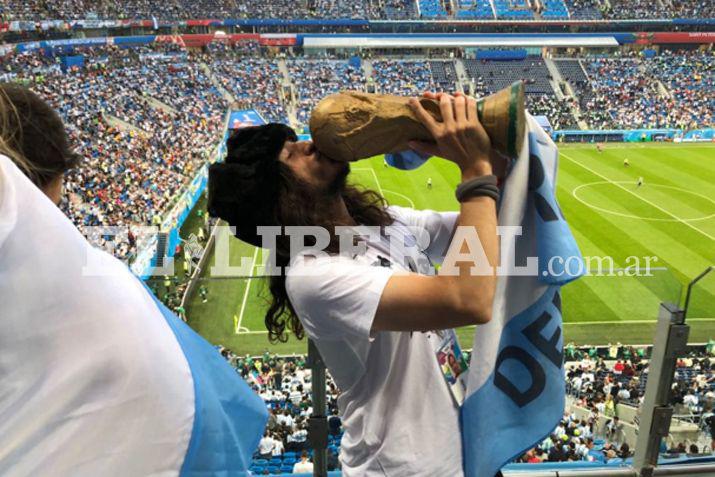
column 515, row 389
column 97, row 378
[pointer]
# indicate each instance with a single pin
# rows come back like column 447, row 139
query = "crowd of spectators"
column 693, row 9
column 558, row 111
column 402, row 77
column 597, row 379
column 667, row 90
column 637, row 9
column 689, row 78
column 315, row 79
column 137, row 153
column 184, row 9
column 623, row 95
column 601, row 379
column 285, row 384
column 317, row 9
column 253, row 82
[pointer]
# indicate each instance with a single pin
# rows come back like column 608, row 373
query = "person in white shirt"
column 285, row 419
column 296, row 395
column 266, row 446
column 376, row 316
column 303, row 466
column 278, row 448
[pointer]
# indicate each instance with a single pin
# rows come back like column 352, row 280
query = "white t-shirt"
column 266, row 445
column 303, row 467
column 278, row 448
column 399, row 416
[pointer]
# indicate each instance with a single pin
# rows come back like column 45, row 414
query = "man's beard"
column 337, row 186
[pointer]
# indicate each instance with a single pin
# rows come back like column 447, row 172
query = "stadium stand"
column 315, row 79
column 596, row 379
column 625, row 92
column 690, row 80
column 572, row 71
column 133, row 168
column 637, row 9
column 444, row 74
column 513, row 9
column 475, row 9
column 253, row 82
column 554, row 9
column 356, row 9
column 396, row 10
column 669, row 90
column 496, row 75
column 584, row 9
column 285, row 385
column 557, row 111
column 407, row 78
column 692, row 9
column 432, row 8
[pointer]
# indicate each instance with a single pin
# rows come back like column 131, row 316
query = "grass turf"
column 671, row 217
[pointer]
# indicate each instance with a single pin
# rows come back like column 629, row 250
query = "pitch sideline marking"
column 245, row 293
column 632, row 216
column 638, row 196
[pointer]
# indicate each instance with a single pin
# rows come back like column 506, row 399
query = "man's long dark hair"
column 300, row 204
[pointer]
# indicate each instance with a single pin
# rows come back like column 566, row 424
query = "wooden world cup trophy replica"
column 350, row 126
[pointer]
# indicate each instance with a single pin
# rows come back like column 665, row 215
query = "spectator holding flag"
column 376, row 318
column 99, row 378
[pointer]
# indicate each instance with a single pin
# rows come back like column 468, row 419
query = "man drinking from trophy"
column 379, row 317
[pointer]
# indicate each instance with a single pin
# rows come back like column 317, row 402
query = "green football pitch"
column 671, row 217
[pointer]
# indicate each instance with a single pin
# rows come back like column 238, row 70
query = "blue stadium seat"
column 554, row 9
column 513, row 9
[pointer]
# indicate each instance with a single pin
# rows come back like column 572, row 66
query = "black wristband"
column 483, row 186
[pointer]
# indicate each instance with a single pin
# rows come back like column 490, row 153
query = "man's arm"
column 417, row 302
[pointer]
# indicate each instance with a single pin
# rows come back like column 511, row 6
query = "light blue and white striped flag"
column 96, row 376
column 515, row 389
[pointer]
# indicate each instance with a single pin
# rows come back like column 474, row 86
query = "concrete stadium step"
column 367, row 70
column 122, row 125
column 224, row 92
column 556, row 78
column 156, row 104
column 462, row 77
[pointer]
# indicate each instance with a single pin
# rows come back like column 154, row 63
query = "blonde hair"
column 7, row 111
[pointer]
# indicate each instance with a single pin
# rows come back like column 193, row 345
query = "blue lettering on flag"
column 524, row 397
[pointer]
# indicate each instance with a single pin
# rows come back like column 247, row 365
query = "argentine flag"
column 97, row 378
column 515, row 388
